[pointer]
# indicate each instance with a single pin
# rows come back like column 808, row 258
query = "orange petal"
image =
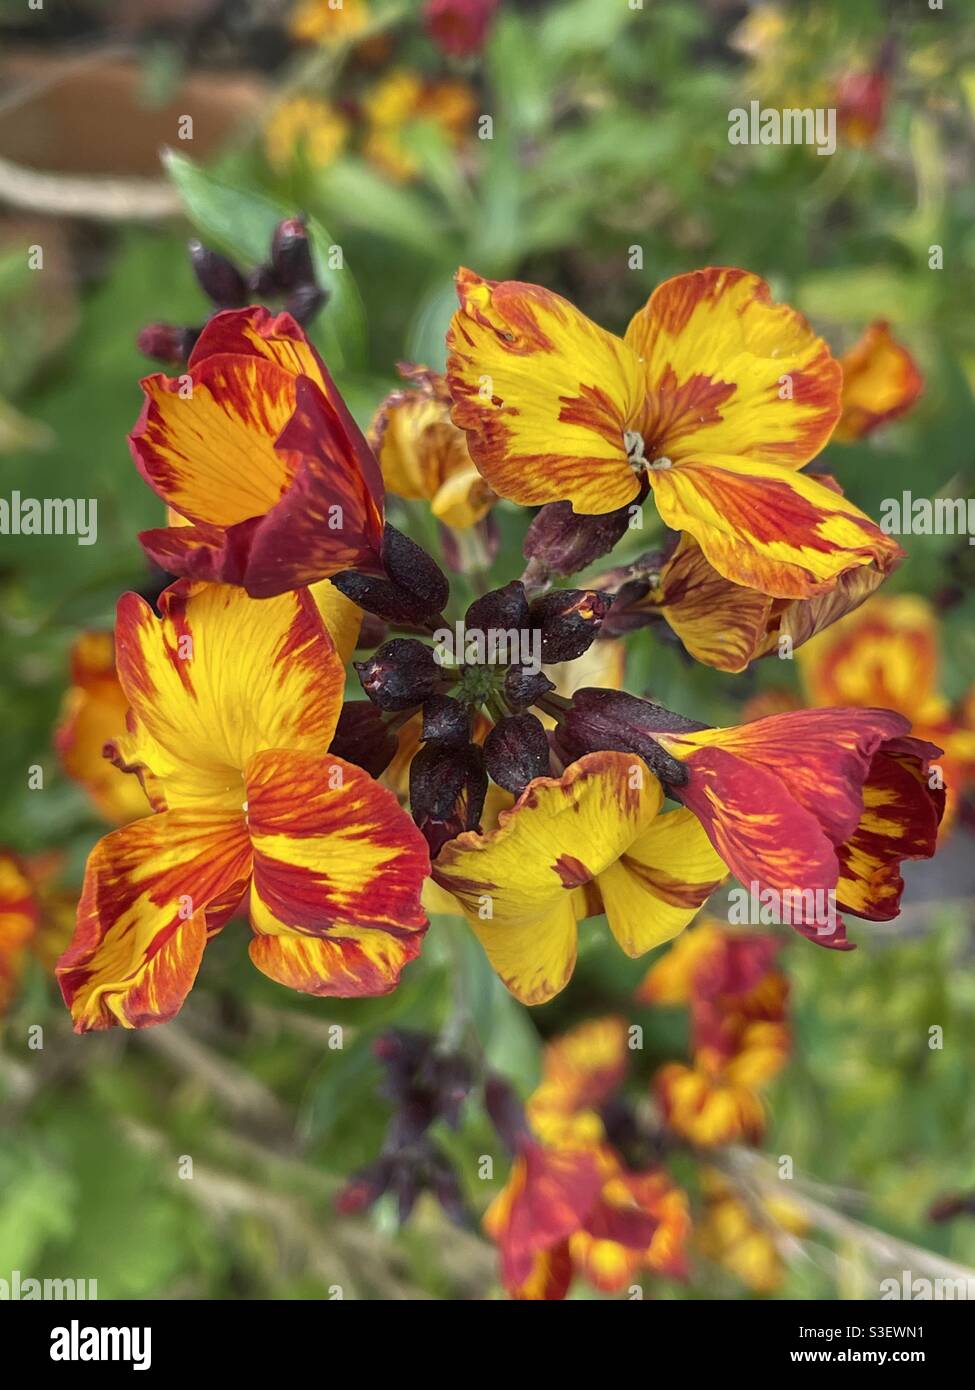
column 18, row 924
column 764, row 527
column 545, row 395
column 152, row 892
column 732, row 373
column 880, row 382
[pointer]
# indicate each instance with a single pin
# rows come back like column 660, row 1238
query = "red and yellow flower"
column 255, row 448
column 715, row 396
column 571, row 1206
column 19, row 916
column 889, row 655
column 881, row 381
column 424, row 456
column 233, row 706
column 93, row 714
column 402, row 98
column 746, row 1238
column 739, row 1035
column 594, row 840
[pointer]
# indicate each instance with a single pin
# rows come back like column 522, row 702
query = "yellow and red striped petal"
column 588, row 1063
column 545, row 395
column 766, row 528
column 549, row 1279
column 721, row 624
column 153, row 891
column 671, row 979
column 729, row 372
column 93, row 714
column 517, row 884
column 218, row 678
column 900, row 819
column 18, row 924
column 881, row 381
column 338, row 874
column 707, row 1110
column 205, row 441
column 657, row 885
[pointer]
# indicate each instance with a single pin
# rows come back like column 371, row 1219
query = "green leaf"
column 241, row 222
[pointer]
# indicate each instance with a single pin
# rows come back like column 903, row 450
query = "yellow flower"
column 305, row 126
column 327, row 21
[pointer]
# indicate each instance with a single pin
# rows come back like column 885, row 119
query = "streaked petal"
column 331, row 848
column 544, row 394
column 221, row 676
column 657, row 886
column 880, row 382
column 349, row 963
column 19, row 916
column 152, row 892
column 730, row 372
column 720, row 623
column 767, row 528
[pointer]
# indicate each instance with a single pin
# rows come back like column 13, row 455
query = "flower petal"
column 761, row 526
column 351, row 963
column 660, row 882
column 721, row 624
column 880, row 382
column 730, row 372
column 331, row 847
column 152, row 892
column 221, row 676
column 18, row 923
column 545, row 395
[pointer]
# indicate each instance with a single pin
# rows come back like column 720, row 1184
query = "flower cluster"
column 534, row 804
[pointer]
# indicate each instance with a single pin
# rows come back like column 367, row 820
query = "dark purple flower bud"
column 569, row 620
column 363, row 737
column 522, row 688
column 506, row 1113
column 380, row 597
column 401, row 674
column 262, row 283
column 412, row 570
column 450, row 1081
column 164, row 342
column 364, row 1188
column 291, row 258
column 504, row 610
column 406, row 1185
column 372, row 631
column 305, row 302
column 621, row 618
column 219, row 278
column 516, row 752
column 562, row 541
column 610, row 719
column 447, row 790
column 443, row 1182
column 446, row 721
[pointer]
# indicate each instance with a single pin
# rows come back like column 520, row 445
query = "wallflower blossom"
column 571, row 1205
column 881, row 381
column 459, row 28
column 233, row 706
column 92, row 714
column 739, row 1036
column 322, row 21
column 403, row 97
column 422, row 453
column 305, row 127
column 746, row 1239
column 594, row 840
column 255, row 448
column 715, row 397
column 889, row 655
column 812, row 803
column 19, row 916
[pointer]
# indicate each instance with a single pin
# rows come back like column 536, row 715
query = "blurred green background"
column 609, row 132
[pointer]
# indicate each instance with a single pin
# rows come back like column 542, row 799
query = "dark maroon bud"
column 569, row 620
column 219, row 279
column 164, row 342
column 516, row 752
column 305, row 302
column 504, row 610
column 411, row 568
column 363, row 737
column 262, row 283
column 405, row 1184
column 610, row 719
column 380, row 597
column 522, row 688
column 447, row 790
column 506, row 1113
column 446, row 721
column 372, row 631
column 291, row 258
column 443, row 1182
column 623, row 618
column 562, row 541
column 451, row 1081
column 400, row 674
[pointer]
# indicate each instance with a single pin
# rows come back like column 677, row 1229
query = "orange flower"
column 888, row 655
column 93, row 714
column 254, row 446
column 19, row 916
column 880, row 382
column 402, row 98
column 715, row 398
column 233, row 706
